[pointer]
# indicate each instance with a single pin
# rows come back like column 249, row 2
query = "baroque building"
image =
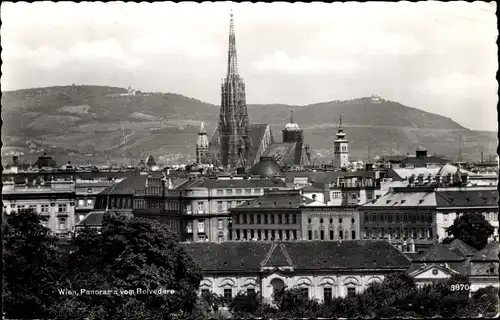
column 237, row 143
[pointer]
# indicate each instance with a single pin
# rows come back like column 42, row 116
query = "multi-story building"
column 423, row 212
column 453, row 202
column 53, row 199
column 205, row 204
column 146, row 195
column 289, row 215
column 86, row 193
column 442, row 261
column 321, row 269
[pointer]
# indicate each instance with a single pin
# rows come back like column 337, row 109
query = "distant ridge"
column 86, row 118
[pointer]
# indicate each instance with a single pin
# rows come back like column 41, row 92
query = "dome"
column 266, row 168
column 292, row 127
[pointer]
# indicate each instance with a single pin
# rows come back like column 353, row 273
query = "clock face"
column 90, row 190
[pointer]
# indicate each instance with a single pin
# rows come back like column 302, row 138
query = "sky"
column 440, row 57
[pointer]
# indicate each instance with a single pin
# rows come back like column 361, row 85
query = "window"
column 331, row 234
column 220, row 224
column 256, row 191
column 374, row 233
column 367, row 233
column 341, row 234
column 389, row 217
column 200, row 207
column 430, row 233
column 62, row 223
column 265, row 218
column 321, row 220
column 374, row 217
column 353, row 196
column 219, row 206
column 238, row 203
column 248, row 191
column 294, row 233
column 353, row 234
column 366, row 217
column 237, row 234
column 245, row 234
column 201, row 226
column 220, row 192
column 229, row 205
column 287, row 218
column 90, row 202
column 327, row 294
column 406, row 233
column 238, row 191
column 279, row 218
column 201, row 237
column 310, row 235
column 396, row 217
column 309, row 220
column 266, row 234
column 259, row 234
column 244, row 219
column 228, row 294
column 273, row 235
column 189, row 227
column 398, row 233
column 251, row 218
column 62, row 208
column 340, row 220
column 229, row 191
column 294, row 218
column 304, row 292
column 220, row 237
column 352, row 220
column 45, row 208
column 272, row 218
column 405, row 217
column 322, row 234
column 258, row 218
column 250, row 291
column 280, row 234
column 81, row 202
column 351, row 292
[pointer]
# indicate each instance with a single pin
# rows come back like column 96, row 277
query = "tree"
column 30, row 264
column 293, row 303
column 130, row 254
column 245, row 304
column 471, row 228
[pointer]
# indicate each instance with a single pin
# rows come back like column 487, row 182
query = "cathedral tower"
column 202, row 146
column 340, row 149
column 234, row 143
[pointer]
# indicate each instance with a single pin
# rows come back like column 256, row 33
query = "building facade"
column 205, row 204
column 319, row 268
column 54, row 200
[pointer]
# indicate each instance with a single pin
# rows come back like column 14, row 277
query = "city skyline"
column 437, row 57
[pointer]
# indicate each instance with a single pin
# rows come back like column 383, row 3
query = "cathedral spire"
column 232, row 57
column 202, row 129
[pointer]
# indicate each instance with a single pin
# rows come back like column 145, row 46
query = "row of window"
column 390, row 217
column 61, row 223
column 321, row 234
column 43, row 208
column 266, row 218
column 229, row 192
column 321, row 220
column 398, row 233
column 201, row 226
column 85, row 202
column 266, row 234
column 327, row 292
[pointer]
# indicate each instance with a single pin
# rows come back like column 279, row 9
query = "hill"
column 101, row 120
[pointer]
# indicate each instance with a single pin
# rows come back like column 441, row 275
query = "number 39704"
column 460, row 287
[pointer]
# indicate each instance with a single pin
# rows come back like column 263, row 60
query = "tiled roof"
column 460, row 267
column 256, row 135
column 467, row 198
column 424, row 160
column 304, row 255
column 284, row 153
column 311, row 189
column 127, row 186
column 403, row 199
column 93, row 218
column 278, row 199
column 461, row 248
column 489, row 253
column 234, row 183
column 440, row 252
column 277, row 257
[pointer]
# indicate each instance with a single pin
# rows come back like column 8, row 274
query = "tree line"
column 135, row 269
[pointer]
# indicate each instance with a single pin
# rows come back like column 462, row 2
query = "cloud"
column 281, row 62
column 457, row 84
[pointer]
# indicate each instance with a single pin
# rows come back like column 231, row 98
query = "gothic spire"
column 232, row 58
column 202, row 129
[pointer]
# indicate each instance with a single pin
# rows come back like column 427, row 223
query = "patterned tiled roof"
column 127, row 186
column 234, row 183
column 489, row 253
column 303, row 255
column 403, row 199
column 283, row 153
column 467, row 198
column 256, row 135
column 278, row 199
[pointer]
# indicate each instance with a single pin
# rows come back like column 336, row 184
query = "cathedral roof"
column 266, row 168
column 292, row 127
